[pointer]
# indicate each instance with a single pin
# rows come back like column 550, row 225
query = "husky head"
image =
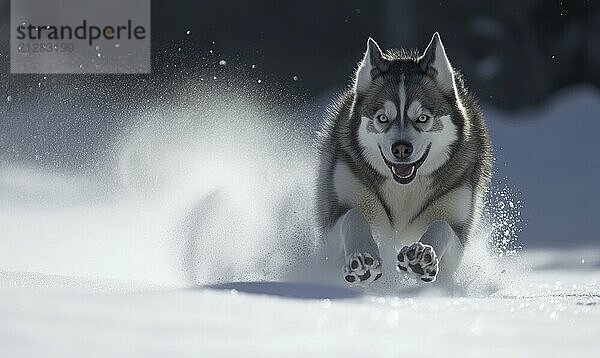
column 408, row 110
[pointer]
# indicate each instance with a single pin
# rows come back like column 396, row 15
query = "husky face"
column 408, row 111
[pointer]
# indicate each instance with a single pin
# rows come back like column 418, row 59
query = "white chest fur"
column 405, row 204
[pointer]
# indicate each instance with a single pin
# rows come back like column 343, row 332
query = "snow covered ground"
column 158, row 252
column 551, row 311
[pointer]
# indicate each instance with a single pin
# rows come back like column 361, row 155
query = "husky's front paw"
column 362, row 269
column 419, row 259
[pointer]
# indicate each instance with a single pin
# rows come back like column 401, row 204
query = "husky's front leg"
column 439, row 245
column 352, row 241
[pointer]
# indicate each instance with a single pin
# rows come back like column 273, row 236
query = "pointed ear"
column 434, row 58
column 371, row 63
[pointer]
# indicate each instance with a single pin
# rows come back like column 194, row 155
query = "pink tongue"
column 403, row 170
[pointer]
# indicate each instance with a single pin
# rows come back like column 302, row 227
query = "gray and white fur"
column 405, row 161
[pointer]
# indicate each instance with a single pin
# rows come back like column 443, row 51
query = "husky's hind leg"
column 439, row 246
column 351, row 240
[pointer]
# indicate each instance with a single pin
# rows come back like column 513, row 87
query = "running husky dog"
column 404, row 164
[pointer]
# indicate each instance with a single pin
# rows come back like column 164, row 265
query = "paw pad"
column 420, row 260
column 362, row 268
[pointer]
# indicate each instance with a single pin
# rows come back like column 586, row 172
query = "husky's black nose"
column 402, row 150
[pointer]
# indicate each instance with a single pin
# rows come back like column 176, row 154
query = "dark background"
column 540, row 45
column 543, row 44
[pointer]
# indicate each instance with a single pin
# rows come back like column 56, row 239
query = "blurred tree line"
column 512, row 53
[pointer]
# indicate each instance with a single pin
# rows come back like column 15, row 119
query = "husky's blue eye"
column 382, row 118
column 423, row 118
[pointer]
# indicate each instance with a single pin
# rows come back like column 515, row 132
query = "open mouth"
column 404, row 173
